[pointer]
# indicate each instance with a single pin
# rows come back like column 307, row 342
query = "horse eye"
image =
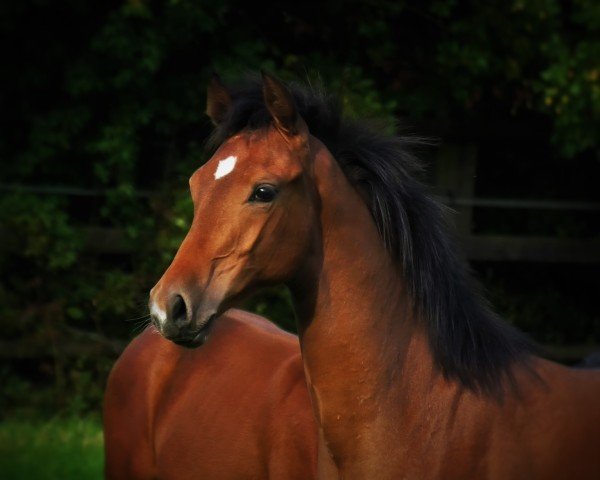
column 264, row 193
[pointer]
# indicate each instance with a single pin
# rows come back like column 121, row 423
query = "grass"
column 55, row 449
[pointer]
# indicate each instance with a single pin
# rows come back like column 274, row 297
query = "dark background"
column 102, row 122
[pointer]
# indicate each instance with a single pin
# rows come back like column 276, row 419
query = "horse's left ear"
column 281, row 106
column 218, row 100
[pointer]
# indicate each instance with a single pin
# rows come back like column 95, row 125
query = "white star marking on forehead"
column 225, row 167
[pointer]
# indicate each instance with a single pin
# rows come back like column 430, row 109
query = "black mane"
column 469, row 342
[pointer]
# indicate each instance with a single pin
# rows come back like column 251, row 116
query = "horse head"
column 254, row 211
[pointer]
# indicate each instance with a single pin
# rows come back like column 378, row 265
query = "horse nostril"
column 178, row 311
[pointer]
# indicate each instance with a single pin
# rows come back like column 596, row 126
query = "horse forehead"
column 243, row 151
column 260, row 149
column 243, row 155
column 228, row 158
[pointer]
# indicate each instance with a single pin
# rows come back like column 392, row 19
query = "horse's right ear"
column 218, row 100
column 281, row 105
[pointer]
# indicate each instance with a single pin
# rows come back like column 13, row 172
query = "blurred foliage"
column 107, row 98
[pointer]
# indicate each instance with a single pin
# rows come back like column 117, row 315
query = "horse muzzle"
column 181, row 320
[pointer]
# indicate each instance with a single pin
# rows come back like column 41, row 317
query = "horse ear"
column 218, row 100
column 281, row 105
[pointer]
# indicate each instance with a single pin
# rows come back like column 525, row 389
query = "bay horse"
column 410, row 374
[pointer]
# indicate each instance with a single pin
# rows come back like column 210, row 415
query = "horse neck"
column 364, row 353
